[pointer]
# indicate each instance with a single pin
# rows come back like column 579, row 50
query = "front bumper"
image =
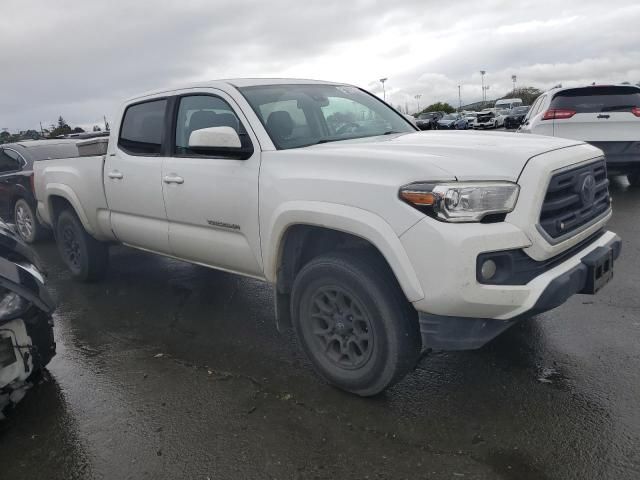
column 444, row 258
column 442, row 332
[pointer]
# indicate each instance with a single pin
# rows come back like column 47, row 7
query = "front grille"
column 574, row 199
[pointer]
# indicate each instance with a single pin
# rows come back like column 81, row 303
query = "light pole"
column 384, row 93
column 513, row 79
column 482, row 72
column 459, row 100
column 417, row 97
column 484, row 93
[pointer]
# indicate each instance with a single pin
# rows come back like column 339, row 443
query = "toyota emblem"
column 588, row 190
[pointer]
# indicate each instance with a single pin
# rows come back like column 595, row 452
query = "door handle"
column 116, row 175
column 173, row 178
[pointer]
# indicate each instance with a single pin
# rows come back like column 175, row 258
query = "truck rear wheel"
column 86, row 257
column 354, row 323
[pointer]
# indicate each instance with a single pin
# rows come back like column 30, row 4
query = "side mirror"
column 220, row 142
column 213, row 138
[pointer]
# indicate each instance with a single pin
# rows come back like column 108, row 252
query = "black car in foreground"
column 515, row 117
column 428, row 120
column 17, row 201
column 26, row 326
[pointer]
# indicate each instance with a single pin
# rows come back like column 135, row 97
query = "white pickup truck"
column 381, row 241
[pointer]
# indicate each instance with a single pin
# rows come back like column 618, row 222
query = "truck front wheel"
column 354, row 323
column 86, row 257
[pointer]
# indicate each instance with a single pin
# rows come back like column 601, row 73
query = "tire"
column 27, row 224
column 354, row 323
column 634, row 179
column 86, row 257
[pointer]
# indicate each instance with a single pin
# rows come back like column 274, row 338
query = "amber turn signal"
column 418, row 198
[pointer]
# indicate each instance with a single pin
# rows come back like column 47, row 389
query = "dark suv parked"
column 428, row 120
column 17, row 201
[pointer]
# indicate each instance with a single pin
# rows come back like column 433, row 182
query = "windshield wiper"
column 334, row 139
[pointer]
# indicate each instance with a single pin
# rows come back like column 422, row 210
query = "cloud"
column 81, row 59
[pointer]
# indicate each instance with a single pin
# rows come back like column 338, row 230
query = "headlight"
column 461, row 201
column 12, row 305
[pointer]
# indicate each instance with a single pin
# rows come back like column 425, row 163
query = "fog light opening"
column 488, row 269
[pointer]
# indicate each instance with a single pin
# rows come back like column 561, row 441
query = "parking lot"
column 168, row 370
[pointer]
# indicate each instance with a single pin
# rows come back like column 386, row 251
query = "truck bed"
column 79, row 179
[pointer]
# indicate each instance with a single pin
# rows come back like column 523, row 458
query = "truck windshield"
column 299, row 115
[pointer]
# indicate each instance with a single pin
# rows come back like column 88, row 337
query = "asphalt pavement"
column 168, row 370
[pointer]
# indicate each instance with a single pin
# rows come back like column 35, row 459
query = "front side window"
column 142, row 128
column 9, row 161
column 204, row 111
column 301, row 115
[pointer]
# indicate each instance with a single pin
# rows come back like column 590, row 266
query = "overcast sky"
column 81, row 59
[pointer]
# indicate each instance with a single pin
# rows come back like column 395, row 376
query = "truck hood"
column 463, row 155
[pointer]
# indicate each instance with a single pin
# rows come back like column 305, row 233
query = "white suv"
column 606, row 116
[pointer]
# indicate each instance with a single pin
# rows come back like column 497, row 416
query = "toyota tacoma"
column 380, row 241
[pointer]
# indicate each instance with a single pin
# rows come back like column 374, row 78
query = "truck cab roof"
column 238, row 83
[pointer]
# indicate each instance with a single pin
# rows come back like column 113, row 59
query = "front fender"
column 352, row 220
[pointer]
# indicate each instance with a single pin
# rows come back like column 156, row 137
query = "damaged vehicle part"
column 26, row 326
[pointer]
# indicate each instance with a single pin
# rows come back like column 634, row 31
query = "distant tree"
column 78, row 130
column 439, row 107
column 62, row 129
column 97, row 128
column 527, row 94
column 339, row 119
column 4, row 136
column 31, row 134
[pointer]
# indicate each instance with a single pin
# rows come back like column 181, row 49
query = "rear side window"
column 142, row 128
column 597, row 99
column 10, row 161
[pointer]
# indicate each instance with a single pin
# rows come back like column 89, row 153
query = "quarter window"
column 142, row 127
column 540, row 105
